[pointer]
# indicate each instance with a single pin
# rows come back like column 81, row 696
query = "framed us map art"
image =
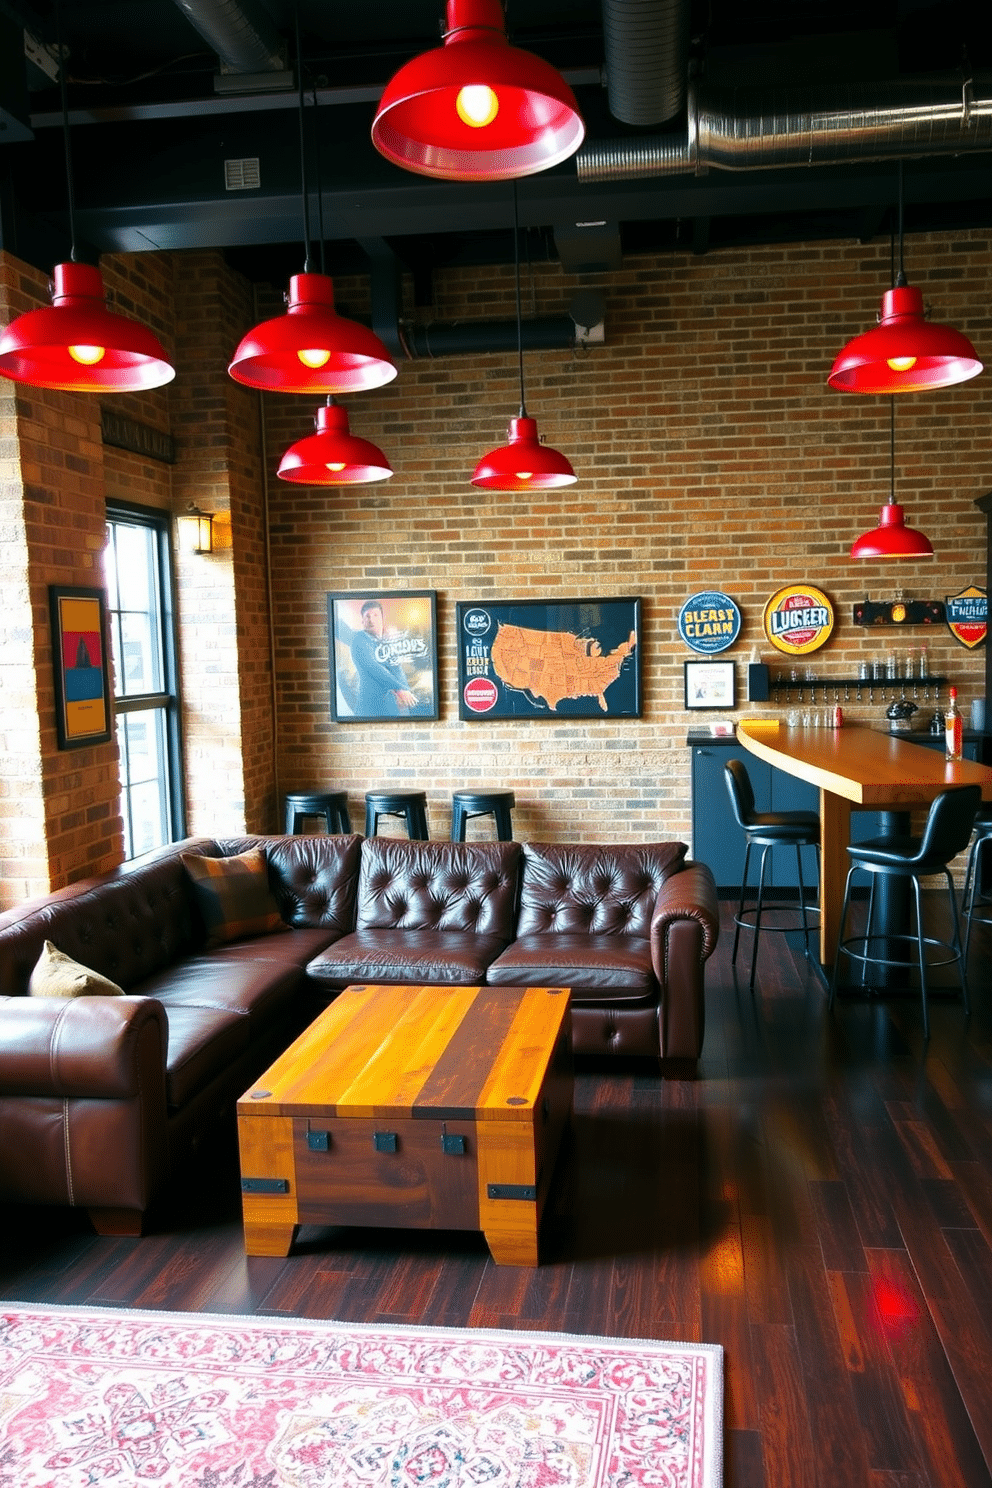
column 551, row 658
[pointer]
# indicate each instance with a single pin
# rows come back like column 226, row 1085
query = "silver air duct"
column 239, row 31
column 646, row 45
column 761, row 129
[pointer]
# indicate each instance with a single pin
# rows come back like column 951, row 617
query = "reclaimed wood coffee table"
column 420, row 1107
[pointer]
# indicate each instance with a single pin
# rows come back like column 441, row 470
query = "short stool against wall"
column 331, row 805
column 497, row 804
column 976, row 902
column 769, row 829
column 410, row 805
column 946, row 833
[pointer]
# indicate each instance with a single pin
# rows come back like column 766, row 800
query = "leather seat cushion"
column 449, row 957
column 256, row 992
column 598, row 968
column 203, row 1043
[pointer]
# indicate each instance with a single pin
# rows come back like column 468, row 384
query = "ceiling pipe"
column 763, row 129
column 458, row 338
column 646, row 47
column 239, row 31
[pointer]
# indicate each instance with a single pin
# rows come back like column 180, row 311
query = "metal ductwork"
column 239, row 31
column 761, row 129
column 457, row 338
column 646, row 46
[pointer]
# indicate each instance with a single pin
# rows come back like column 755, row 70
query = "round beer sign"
column 710, row 621
column 798, row 619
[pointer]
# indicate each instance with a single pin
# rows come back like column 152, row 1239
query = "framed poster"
column 382, row 649
column 567, row 658
column 79, row 656
column 710, row 684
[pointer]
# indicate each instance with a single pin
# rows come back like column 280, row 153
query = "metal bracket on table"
column 265, row 1185
column 512, row 1191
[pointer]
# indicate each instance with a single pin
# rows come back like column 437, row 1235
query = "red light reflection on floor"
column 894, row 1309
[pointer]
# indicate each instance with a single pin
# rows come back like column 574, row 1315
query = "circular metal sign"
column 798, row 619
column 710, row 621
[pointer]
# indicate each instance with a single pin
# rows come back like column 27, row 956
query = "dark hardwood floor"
column 818, row 1201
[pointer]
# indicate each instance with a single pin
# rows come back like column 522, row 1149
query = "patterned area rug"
column 100, row 1396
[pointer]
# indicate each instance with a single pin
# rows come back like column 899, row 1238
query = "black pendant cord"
column 901, row 276
column 520, row 329
column 892, row 449
column 303, row 151
column 73, row 257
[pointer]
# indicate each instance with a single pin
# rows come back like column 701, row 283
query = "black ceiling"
column 151, row 133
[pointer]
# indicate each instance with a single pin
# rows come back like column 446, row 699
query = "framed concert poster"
column 383, row 655
column 79, row 657
column 553, row 658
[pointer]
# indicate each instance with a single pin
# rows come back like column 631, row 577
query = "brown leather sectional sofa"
column 102, row 1098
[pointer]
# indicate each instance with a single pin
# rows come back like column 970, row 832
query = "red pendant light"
column 904, row 353
column 892, row 538
column 312, row 349
column 477, row 108
column 80, row 346
column 76, row 344
column 524, row 463
column 333, row 456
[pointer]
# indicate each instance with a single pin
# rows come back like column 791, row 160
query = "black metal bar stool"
column 768, row 829
column 976, row 904
column 497, row 804
column 945, row 834
column 411, row 805
column 331, row 805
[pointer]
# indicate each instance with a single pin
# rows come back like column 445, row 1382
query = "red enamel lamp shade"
column 904, row 353
column 892, row 538
column 524, row 463
column 312, row 349
column 477, row 108
column 78, row 345
column 333, row 456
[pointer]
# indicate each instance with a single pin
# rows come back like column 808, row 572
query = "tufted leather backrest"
column 438, row 885
column 314, row 879
column 594, row 890
column 127, row 924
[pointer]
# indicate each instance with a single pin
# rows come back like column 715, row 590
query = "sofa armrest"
column 685, row 927
column 82, row 1105
column 93, row 1048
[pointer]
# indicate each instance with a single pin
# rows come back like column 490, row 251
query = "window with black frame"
column 138, row 563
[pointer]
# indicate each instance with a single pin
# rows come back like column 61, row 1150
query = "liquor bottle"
column 953, row 724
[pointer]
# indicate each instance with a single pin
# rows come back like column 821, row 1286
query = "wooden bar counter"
column 854, row 767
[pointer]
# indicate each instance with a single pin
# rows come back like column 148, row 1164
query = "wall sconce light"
column 199, row 529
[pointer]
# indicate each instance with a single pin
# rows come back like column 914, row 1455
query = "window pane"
column 135, row 568
column 145, row 799
column 139, row 659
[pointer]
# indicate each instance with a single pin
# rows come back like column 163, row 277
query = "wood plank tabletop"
column 864, row 765
column 422, row 1051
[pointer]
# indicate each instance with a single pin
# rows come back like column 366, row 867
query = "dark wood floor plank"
column 787, row 1442
column 944, row 1435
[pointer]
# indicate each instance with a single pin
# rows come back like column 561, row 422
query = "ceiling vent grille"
column 242, row 175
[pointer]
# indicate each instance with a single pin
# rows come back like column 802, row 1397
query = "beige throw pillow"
column 57, row 975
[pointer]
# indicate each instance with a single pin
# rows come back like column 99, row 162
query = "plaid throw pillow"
column 233, row 895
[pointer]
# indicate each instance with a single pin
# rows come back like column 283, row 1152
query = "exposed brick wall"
column 710, row 454
column 223, row 599
column 61, row 805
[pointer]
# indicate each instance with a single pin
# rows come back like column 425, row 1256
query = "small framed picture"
column 79, row 653
column 382, row 648
column 710, row 684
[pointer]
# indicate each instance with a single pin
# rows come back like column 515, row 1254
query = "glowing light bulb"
column 338, row 465
column 88, row 355
column 524, row 474
column 314, row 357
column 902, row 364
column 477, row 105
